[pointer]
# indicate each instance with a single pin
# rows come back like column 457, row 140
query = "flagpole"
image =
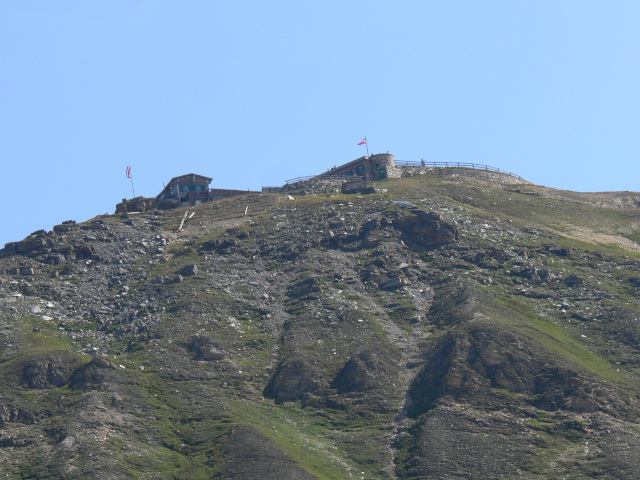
column 366, row 143
column 128, row 172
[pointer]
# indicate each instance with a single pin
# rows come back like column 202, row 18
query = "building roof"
column 350, row 164
column 190, row 178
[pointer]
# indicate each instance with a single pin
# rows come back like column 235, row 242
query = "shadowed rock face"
column 470, row 365
column 358, row 374
column 427, row 230
column 49, row 372
column 93, row 375
column 293, row 381
column 12, row 414
column 418, row 228
column 454, row 304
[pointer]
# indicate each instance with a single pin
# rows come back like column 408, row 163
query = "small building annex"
column 184, row 191
column 376, row 167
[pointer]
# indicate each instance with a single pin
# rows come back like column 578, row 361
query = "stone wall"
column 315, row 186
column 137, row 204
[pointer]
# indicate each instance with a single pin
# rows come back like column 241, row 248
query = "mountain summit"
column 453, row 324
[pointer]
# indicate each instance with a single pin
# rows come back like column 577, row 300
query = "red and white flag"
column 363, row 141
column 129, row 171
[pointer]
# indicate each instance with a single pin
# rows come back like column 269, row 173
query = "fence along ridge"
column 475, row 166
column 411, row 163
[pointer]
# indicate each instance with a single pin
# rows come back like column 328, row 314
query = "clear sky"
column 253, row 93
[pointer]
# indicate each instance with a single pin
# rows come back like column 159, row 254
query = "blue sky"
column 254, row 93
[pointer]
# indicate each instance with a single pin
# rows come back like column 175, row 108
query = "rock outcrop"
column 293, row 381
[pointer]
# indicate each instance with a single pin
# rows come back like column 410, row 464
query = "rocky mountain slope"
column 459, row 325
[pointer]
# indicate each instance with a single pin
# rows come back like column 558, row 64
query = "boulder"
column 188, row 271
column 206, row 349
column 305, row 289
column 86, row 252
column 64, row 227
column 394, row 283
column 55, row 259
column 556, row 250
column 217, row 245
column 93, row 374
column 635, row 281
column 212, row 353
column 27, row 271
column 63, row 249
column 31, row 244
column 574, row 280
column 102, row 361
column 427, row 230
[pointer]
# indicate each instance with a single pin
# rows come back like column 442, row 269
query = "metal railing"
column 475, row 166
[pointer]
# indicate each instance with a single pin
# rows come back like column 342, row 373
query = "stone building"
column 356, row 176
column 184, row 191
column 375, row 167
